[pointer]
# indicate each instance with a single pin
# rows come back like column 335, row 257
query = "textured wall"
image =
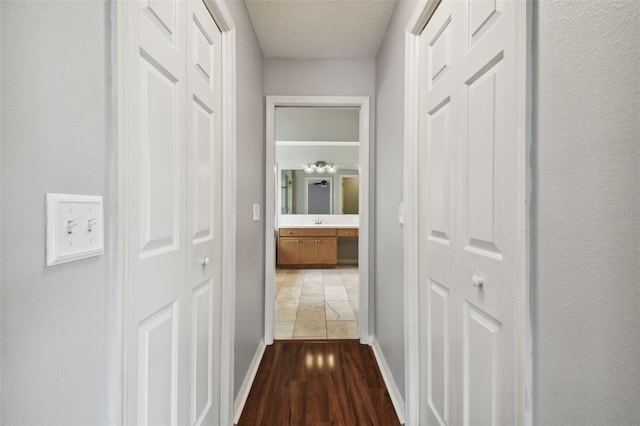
column 55, row 130
column 389, row 309
column 586, row 255
column 250, row 154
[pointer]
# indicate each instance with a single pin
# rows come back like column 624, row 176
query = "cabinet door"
column 327, row 251
column 308, row 251
column 288, row 251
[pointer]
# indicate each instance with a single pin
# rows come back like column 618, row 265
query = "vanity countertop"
column 321, row 225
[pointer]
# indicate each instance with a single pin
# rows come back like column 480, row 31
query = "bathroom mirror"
column 319, row 193
column 317, row 155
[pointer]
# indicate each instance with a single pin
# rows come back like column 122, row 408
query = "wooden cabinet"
column 288, row 251
column 327, row 251
column 310, row 246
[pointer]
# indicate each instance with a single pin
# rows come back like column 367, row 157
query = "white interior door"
column 173, row 204
column 204, row 220
column 469, row 213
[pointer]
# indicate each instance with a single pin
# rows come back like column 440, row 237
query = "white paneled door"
column 470, row 187
column 173, row 221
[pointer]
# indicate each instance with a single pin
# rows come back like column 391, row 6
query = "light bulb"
column 320, row 169
column 332, row 169
column 309, row 169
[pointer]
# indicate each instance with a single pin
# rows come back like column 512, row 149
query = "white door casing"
column 172, row 204
column 471, row 218
column 271, row 213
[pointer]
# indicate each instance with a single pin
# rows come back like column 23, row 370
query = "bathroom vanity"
column 312, row 246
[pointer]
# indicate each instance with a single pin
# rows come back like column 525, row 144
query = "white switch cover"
column 256, row 212
column 75, row 227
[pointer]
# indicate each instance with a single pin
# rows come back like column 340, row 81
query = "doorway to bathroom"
column 317, row 162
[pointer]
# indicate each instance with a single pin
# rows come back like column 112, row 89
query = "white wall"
column 250, row 154
column 317, row 124
column 586, row 263
column 322, row 77
column 55, row 135
column 389, row 308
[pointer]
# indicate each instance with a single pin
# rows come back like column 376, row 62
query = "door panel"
column 288, row 251
column 327, row 251
column 204, row 204
column 480, row 208
column 158, row 355
column 173, row 223
column 481, row 339
column 160, row 156
column 156, row 216
column 202, row 351
column 437, row 156
column 163, row 15
column 438, row 339
column 469, row 187
column 308, row 251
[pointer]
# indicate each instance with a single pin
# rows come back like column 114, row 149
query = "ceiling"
column 325, row 29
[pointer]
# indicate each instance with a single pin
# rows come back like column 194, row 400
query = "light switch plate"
column 256, row 212
column 75, row 227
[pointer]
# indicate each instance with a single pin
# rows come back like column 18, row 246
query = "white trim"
column 389, row 381
column 116, row 215
column 523, row 320
column 223, row 19
column 122, row 250
column 271, row 214
column 410, row 227
column 306, row 193
column 245, row 387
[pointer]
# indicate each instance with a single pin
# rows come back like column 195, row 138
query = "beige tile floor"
column 317, row 303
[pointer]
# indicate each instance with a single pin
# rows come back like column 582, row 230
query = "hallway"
column 317, row 303
column 318, row 383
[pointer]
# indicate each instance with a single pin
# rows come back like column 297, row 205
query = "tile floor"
column 317, row 303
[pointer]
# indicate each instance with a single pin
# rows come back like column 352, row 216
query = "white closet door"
column 439, row 128
column 470, row 216
column 173, row 204
column 204, row 204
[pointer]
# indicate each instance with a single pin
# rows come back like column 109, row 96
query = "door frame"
column 306, row 192
column 118, row 195
column 523, row 321
column 271, row 214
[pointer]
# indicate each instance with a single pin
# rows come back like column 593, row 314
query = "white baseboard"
column 392, row 387
column 243, row 393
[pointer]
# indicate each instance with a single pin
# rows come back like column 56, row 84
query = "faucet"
column 318, row 221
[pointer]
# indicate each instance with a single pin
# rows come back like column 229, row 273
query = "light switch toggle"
column 91, row 223
column 70, row 225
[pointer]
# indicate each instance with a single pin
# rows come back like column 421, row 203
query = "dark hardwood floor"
column 319, row 382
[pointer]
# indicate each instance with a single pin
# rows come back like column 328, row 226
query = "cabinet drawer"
column 351, row 232
column 314, row 232
column 288, row 232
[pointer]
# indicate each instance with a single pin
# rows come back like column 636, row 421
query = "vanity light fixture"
column 320, row 167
